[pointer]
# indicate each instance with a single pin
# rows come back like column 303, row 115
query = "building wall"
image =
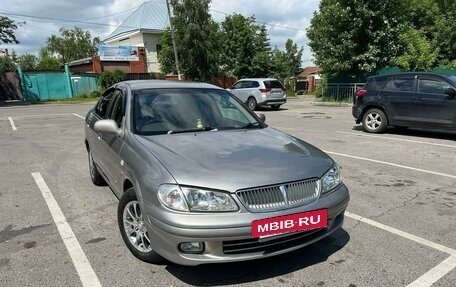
column 150, row 43
column 133, row 40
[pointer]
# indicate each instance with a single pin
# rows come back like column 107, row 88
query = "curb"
column 330, row 104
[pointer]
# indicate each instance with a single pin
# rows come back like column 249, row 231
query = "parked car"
column 421, row 100
column 260, row 92
column 202, row 179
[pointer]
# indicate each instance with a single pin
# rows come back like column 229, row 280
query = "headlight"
column 331, row 179
column 171, row 196
column 208, row 200
column 195, row 199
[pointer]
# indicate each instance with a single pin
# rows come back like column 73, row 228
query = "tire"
column 374, row 121
column 251, row 103
column 275, row 107
column 95, row 175
column 129, row 217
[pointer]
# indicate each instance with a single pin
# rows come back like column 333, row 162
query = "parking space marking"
column 79, row 116
column 403, row 234
column 81, row 263
column 433, row 275
column 396, row 139
column 393, row 164
column 13, row 126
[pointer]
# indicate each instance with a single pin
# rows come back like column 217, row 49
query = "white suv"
column 260, row 92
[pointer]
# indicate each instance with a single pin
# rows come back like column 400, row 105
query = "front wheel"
column 375, row 121
column 133, row 229
column 252, row 103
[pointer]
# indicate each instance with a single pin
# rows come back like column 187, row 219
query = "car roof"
column 411, row 73
column 258, row 79
column 165, row 84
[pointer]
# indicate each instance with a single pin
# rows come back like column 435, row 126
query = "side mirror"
column 262, row 117
column 106, row 126
column 450, row 92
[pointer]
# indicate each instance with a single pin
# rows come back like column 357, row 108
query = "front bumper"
column 226, row 234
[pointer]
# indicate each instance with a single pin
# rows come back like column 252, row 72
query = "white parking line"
column 396, row 139
column 80, row 261
column 403, row 234
column 13, row 126
column 393, row 164
column 433, row 275
column 79, row 116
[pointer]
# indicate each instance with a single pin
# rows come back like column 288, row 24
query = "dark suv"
column 421, row 100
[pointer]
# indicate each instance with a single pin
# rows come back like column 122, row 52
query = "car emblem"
column 283, row 190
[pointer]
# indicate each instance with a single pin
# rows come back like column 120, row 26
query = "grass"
column 83, row 98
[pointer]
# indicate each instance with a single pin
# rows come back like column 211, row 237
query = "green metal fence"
column 340, row 91
column 84, row 83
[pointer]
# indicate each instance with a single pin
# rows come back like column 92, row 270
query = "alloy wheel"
column 135, row 228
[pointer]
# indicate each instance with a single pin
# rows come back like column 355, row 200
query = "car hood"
column 236, row 159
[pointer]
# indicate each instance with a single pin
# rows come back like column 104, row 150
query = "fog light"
column 191, row 247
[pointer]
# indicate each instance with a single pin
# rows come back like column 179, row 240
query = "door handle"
column 99, row 137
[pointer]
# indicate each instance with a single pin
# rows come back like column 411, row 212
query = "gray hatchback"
column 202, row 179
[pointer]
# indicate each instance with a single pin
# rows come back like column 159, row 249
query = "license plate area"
column 280, row 225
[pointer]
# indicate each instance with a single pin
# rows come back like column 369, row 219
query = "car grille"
column 278, row 243
column 279, row 197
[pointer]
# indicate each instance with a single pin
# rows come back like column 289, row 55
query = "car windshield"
column 169, row 111
column 452, row 78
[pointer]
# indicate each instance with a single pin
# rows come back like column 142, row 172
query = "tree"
column 418, row 53
column 356, row 37
column 7, row 27
column 246, row 50
column 72, row 44
column 28, row 62
column 197, row 41
column 48, row 62
column 7, row 64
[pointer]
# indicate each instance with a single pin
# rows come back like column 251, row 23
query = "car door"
column 437, row 109
column 242, row 89
column 397, row 96
column 235, row 88
column 94, row 138
column 111, row 144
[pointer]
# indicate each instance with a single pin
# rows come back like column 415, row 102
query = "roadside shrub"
column 318, row 93
column 90, row 95
column 289, row 86
column 108, row 78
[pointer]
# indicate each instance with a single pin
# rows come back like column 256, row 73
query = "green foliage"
column 355, row 36
column 290, row 84
column 7, row 64
column 418, row 54
column 246, row 49
column 48, row 62
column 197, row 41
column 109, row 78
column 7, row 27
column 72, row 44
column 287, row 63
column 90, row 95
column 28, row 62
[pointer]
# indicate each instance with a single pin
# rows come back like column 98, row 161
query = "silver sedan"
column 202, row 179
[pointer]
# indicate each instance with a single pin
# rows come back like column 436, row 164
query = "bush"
column 290, row 87
column 90, row 95
column 108, row 78
column 318, row 93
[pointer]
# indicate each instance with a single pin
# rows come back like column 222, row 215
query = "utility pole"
column 176, row 59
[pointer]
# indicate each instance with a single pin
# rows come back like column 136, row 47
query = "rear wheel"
column 133, row 229
column 95, row 175
column 375, row 121
column 252, row 103
column 275, row 107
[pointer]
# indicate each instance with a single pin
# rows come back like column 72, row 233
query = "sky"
column 283, row 18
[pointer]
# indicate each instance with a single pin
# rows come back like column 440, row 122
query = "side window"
column 432, row 86
column 255, row 84
column 400, row 84
column 238, row 85
column 102, row 106
column 248, row 85
column 116, row 108
column 377, row 83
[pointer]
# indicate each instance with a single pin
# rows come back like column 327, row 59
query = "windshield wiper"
column 205, row 129
column 251, row 125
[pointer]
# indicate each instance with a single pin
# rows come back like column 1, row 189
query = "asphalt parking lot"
column 400, row 227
